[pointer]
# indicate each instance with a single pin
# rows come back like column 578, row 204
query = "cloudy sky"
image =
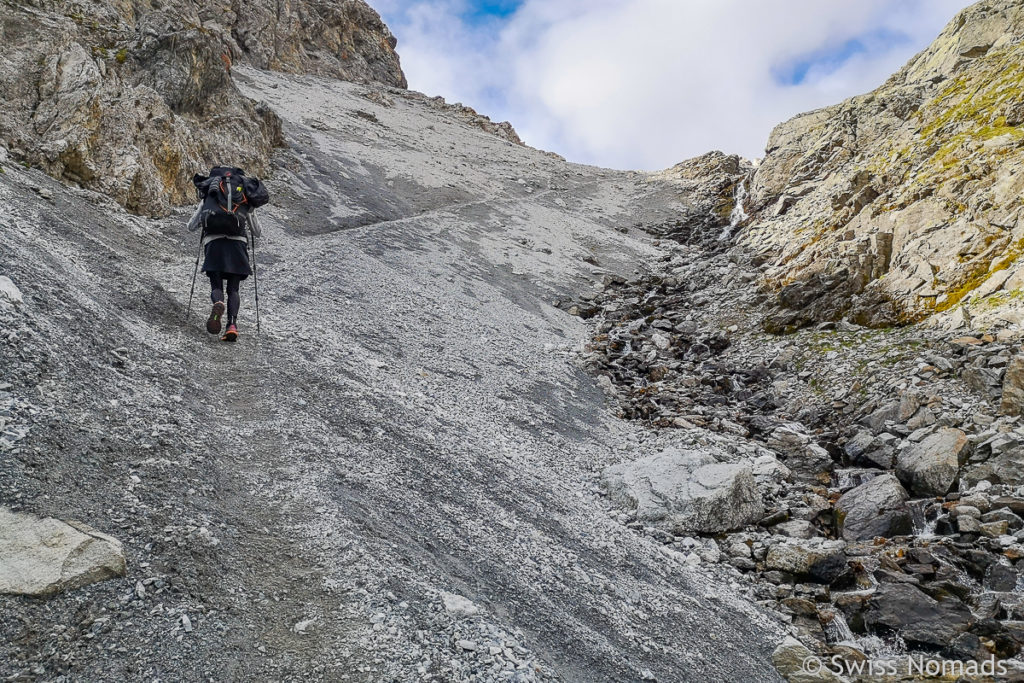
column 644, row 84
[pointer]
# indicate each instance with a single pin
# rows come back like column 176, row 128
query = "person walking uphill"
column 228, row 198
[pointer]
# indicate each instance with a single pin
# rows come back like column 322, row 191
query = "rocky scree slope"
column 397, row 481
column 863, row 483
column 904, row 203
column 132, row 98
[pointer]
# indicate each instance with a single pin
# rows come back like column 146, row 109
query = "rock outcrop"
column 905, row 202
column 130, row 99
column 710, row 186
column 44, row 556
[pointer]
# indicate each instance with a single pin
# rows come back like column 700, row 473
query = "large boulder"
column 929, row 467
column 688, row 490
column 919, row 618
column 816, row 558
column 43, row 556
column 875, row 508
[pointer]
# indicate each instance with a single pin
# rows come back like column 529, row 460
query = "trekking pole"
column 195, row 272
column 255, row 280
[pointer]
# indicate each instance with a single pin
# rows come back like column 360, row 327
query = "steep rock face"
column 711, row 184
column 131, row 98
column 905, row 202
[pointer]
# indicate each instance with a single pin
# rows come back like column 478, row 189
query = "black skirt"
column 229, row 257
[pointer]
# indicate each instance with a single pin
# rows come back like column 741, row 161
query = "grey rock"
column 690, row 491
column 858, row 444
column 44, row 556
column 929, row 468
column 994, row 529
column 1012, row 402
column 10, row 291
column 1005, row 468
column 966, row 510
column 919, row 618
column 852, row 477
column 817, row 558
column 967, row 524
column 811, row 464
column 458, row 605
column 797, row 528
column 876, row 508
column 1001, row 577
column 790, row 660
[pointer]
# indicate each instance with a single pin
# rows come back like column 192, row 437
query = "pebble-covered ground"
column 395, row 479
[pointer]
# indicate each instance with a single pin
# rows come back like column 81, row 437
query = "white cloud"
column 647, row 83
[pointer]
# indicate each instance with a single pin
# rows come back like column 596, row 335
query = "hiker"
column 228, row 197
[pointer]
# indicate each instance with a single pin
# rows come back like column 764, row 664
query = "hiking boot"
column 230, row 334
column 213, row 322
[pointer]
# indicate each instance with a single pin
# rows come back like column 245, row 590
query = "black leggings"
column 217, row 292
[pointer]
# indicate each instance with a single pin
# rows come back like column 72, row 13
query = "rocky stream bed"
column 864, row 484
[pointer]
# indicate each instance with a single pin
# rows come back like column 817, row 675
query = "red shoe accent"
column 230, row 334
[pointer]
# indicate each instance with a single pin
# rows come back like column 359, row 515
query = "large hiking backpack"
column 228, row 195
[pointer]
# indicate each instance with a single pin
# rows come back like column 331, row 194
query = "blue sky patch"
column 832, row 57
column 481, row 10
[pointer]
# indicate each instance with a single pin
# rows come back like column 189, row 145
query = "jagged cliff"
column 904, row 203
column 131, row 98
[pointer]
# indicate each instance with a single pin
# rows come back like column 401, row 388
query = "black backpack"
column 228, row 195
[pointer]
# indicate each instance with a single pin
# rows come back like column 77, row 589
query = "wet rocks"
column 689, row 491
column 929, row 467
column 44, row 556
column 921, row 619
column 875, row 508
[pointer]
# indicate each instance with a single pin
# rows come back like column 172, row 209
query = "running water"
column 837, row 632
column 836, row 628
column 923, row 527
column 739, row 213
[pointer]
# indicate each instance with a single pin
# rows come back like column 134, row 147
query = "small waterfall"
column 883, row 648
column 923, row 527
column 739, row 213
